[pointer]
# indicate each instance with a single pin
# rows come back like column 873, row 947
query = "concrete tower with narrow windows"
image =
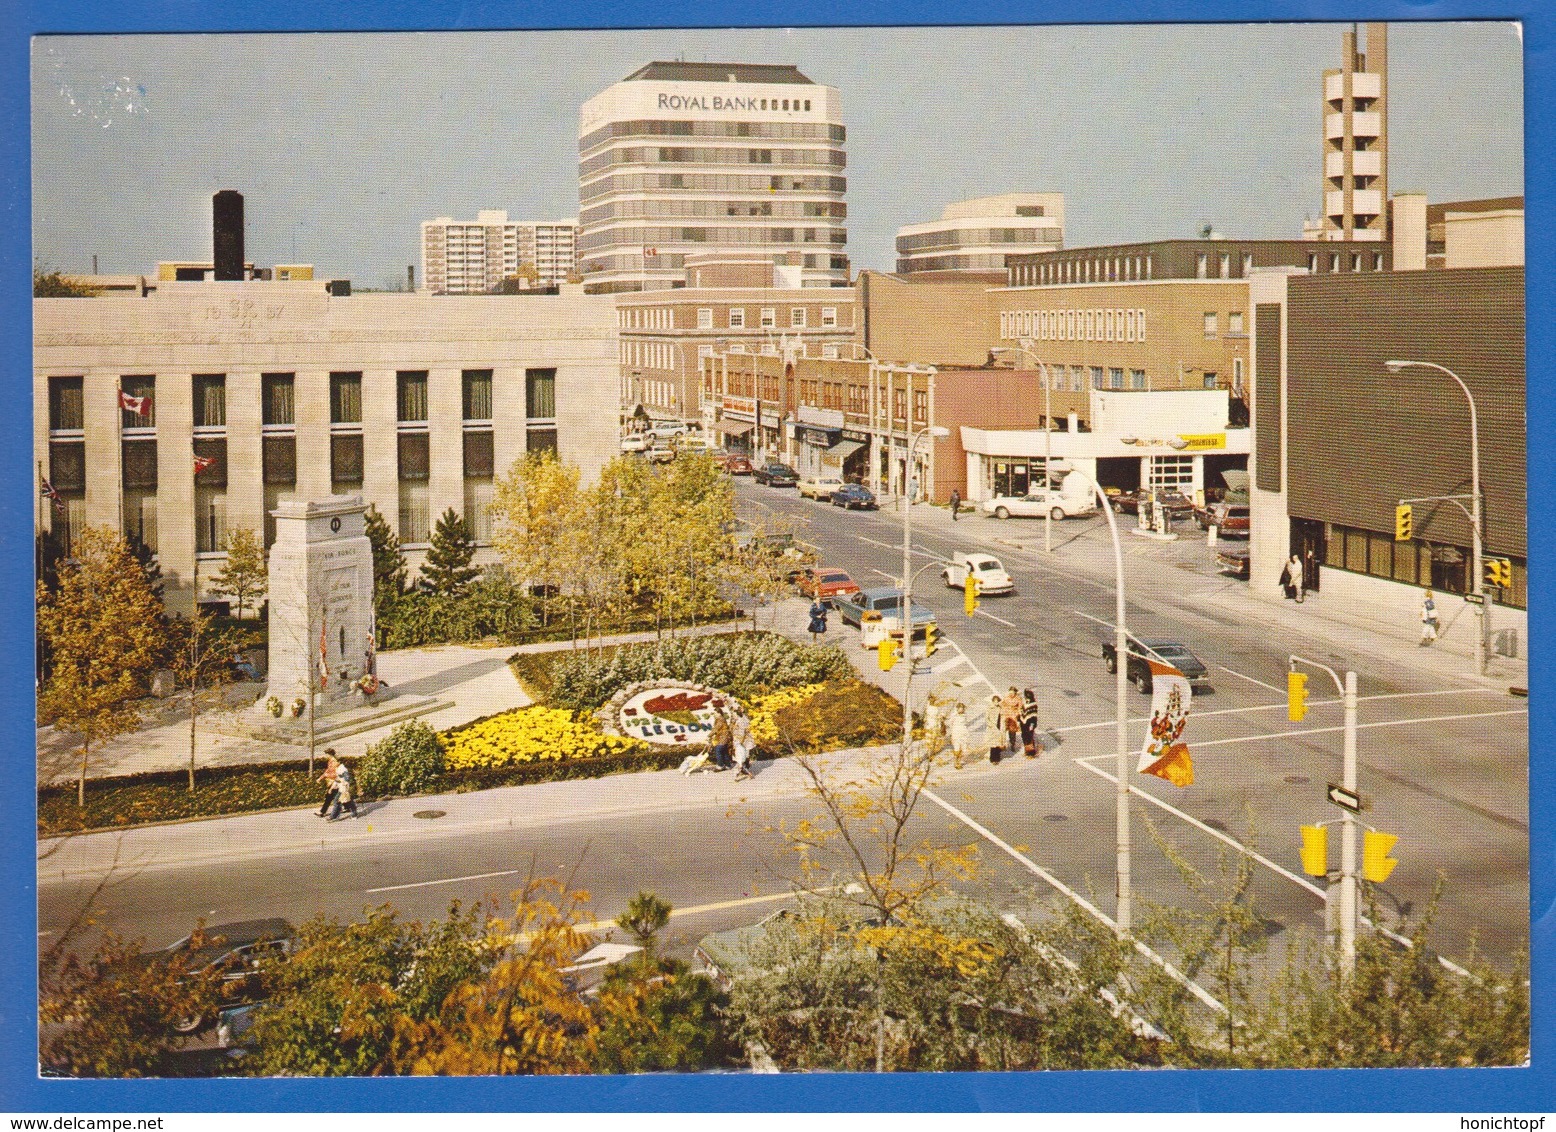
column 1355, row 140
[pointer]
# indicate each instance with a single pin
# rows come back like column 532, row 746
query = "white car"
column 664, row 430
column 819, row 487
column 990, row 572
column 635, row 442
column 1035, row 505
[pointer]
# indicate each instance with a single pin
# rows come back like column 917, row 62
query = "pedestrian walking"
column 1010, row 718
column 956, row 503
column 1295, row 566
column 956, row 732
column 818, row 620
column 331, row 786
column 1029, row 723
column 345, row 792
column 994, row 729
column 744, row 744
column 1428, row 619
column 1285, row 581
column 718, row 743
column 934, row 719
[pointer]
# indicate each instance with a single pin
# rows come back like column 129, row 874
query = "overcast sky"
column 343, row 143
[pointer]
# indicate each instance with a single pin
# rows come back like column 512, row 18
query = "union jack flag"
column 204, row 463
column 47, row 491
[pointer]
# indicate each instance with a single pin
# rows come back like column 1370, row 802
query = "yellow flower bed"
column 765, row 709
column 529, row 735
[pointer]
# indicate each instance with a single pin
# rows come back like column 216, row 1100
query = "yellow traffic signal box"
column 970, row 595
column 1498, row 572
column 1376, row 862
column 1402, row 523
column 1296, row 696
column 1315, row 850
column 931, row 639
column 887, row 653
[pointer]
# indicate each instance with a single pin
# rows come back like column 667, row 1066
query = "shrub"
column 493, row 606
column 409, row 760
column 840, row 714
column 745, row 665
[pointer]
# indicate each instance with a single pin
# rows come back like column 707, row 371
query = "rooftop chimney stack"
column 227, row 234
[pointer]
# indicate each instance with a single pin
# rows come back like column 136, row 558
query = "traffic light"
column 931, row 643
column 1296, row 696
column 1315, row 850
column 1402, row 523
column 887, row 653
column 970, row 595
column 1498, row 572
column 1376, row 862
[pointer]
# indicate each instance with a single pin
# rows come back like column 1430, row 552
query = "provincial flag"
column 204, row 463
column 1165, row 754
column 140, row 406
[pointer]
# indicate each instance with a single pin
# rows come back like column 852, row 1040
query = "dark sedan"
column 854, row 497
column 238, row 954
column 776, row 475
column 1128, row 502
column 1163, row 652
column 738, row 466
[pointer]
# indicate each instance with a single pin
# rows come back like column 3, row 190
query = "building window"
column 769, row 318
column 210, row 485
column 345, row 462
column 1356, row 261
column 829, row 316
column 737, row 318
column 1312, row 263
column 796, row 316
column 704, row 318
column 65, row 404
column 1115, row 378
column 538, row 440
column 1210, row 380
column 1096, row 377
column 1202, row 267
column 1234, row 322
column 143, row 386
column 1137, row 379
column 477, row 394
column 540, row 394
column 411, row 395
column 829, row 350
column 1225, row 271
column 1377, row 261
column 1210, row 324
column 277, row 394
column 210, row 400
column 1171, row 472
column 1247, row 265
column 345, row 398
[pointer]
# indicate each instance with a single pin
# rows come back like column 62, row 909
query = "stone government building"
column 263, row 390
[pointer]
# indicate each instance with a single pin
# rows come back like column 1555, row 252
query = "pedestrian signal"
column 1315, row 850
column 887, row 652
column 931, row 632
column 1402, row 523
column 970, row 595
column 1498, row 572
column 1296, row 696
column 1376, row 862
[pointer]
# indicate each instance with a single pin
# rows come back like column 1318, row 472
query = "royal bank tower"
column 686, row 159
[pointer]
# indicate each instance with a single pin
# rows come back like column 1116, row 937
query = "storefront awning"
column 734, row 428
column 843, row 449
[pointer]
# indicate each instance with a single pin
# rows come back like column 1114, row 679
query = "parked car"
column 240, row 953
column 694, row 442
column 826, row 582
column 738, row 465
column 660, row 455
column 776, row 475
column 818, row 487
column 1036, row 504
column 990, row 572
column 854, row 497
column 887, row 601
column 1158, row 649
column 1233, row 561
column 665, row 430
column 1230, row 519
column 1128, row 502
column 636, row 442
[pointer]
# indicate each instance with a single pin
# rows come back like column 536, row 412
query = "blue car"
column 887, row 601
column 854, row 497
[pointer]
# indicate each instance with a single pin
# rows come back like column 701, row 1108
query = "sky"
column 342, row 144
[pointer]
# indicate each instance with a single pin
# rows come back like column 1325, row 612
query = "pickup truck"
column 990, row 572
column 887, row 601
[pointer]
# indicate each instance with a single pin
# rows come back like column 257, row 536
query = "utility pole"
column 1350, row 895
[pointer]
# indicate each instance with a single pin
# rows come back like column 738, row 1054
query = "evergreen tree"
column 245, row 575
column 148, row 563
column 388, row 570
column 447, row 569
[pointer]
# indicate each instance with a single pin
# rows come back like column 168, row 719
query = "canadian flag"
column 204, row 463
column 140, row 406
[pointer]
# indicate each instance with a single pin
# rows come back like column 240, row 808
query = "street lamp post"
column 939, row 432
column 1483, row 634
column 1122, row 915
column 1048, row 434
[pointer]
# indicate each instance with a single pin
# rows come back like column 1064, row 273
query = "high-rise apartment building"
column 683, row 159
column 977, row 235
column 1355, row 143
column 474, row 257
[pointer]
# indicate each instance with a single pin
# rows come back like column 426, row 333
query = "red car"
column 737, row 466
column 826, row 582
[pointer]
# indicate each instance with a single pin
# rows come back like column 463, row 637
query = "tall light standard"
column 1122, row 916
column 1482, row 636
column 1048, row 434
column 939, row 432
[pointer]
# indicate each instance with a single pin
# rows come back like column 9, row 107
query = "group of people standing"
column 340, row 788
column 1010, row 726
column 730, row 744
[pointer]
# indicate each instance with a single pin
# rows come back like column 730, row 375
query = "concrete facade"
column 295, row 393
column 977, row 235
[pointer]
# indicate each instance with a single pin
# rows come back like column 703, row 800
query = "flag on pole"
column 204, row 463
column 1164, row 753
column 324, row 650
column 650, row 253
column 49, row 492
column 140, row 406
column 371, row 667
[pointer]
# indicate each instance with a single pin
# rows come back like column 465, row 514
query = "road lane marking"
column 1362, row 726
column 717, row 906
column 1037, row 870
column 1447, row 963
column 1001, row 620
column 450, row 880
column 1250, row 679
